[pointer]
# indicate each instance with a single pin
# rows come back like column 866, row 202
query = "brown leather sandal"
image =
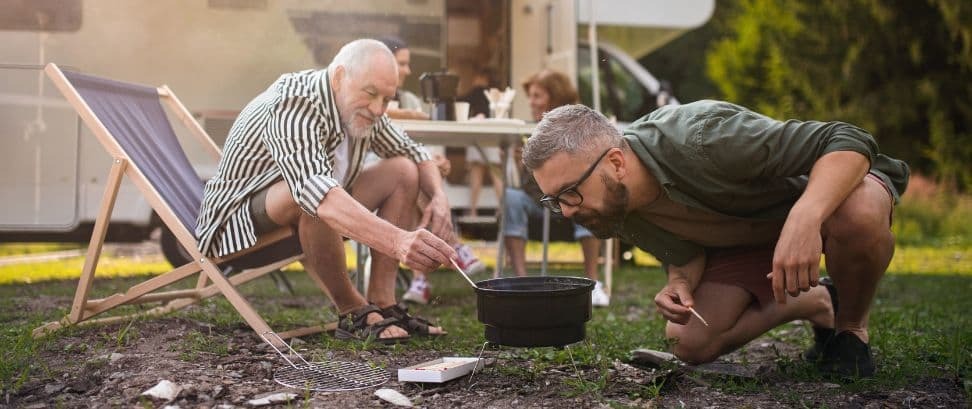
column 354, row 325
column 414, row 325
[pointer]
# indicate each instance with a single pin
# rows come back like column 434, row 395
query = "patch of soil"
column 93, row 368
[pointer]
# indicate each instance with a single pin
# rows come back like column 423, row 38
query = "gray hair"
column 572, row 129
column 358, row 54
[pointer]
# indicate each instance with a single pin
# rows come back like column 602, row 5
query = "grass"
column 919, row 326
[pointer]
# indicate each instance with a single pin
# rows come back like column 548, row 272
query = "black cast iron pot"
column 534, row 311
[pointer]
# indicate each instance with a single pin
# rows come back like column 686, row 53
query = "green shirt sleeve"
column 743, row 145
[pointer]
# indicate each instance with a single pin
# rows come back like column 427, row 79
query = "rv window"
column 622, row 95
column 40, row 15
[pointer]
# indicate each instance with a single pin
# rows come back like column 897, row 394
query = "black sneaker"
column 821, row 335
column 846, row 356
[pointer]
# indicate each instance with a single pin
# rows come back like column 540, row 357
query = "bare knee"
column 862, row 218
column 405, row 170
column 691, row 347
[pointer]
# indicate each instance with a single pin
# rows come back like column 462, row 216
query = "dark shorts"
column 262, row 223
column 747, row 267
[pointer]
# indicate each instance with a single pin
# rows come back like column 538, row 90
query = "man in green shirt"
column 739, row 208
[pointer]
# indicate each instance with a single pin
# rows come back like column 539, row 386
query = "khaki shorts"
column 262, row 223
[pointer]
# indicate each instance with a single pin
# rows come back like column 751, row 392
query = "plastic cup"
column 462, row 111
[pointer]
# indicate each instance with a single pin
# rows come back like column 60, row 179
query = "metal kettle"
column 439, row 88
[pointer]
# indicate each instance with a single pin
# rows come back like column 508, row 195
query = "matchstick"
column 698, row 316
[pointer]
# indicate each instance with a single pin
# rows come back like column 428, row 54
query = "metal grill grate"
column 331, row 376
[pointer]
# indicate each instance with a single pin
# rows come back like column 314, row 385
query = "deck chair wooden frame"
column 210, row 279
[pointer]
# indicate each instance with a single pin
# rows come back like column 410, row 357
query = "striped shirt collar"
column 330, row 103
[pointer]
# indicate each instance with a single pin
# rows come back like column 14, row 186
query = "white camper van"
column 218, row 54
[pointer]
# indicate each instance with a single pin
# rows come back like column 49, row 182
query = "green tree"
column 902, row 70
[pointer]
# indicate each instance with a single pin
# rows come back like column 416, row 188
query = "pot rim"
column 582, row 285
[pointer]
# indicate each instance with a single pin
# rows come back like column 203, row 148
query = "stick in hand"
column 459, row 269
column 698, row 316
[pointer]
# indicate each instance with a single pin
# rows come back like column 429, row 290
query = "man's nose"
column 377, row 107
column 567, row 210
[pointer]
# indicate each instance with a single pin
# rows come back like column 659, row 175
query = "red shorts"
column 747, row 267
column 743, row 267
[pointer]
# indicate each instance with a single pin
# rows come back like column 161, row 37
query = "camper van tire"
column 171, row 249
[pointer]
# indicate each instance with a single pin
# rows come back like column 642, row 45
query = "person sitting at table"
column 545, row 90
column 410, row 107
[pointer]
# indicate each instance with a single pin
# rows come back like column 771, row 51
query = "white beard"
column 358, row 132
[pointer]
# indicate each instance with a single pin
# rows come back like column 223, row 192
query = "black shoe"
column 821, row 335
column 846, row 356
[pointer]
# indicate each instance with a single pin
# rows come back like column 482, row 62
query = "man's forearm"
column 691, row 272
column 352, row 220
column 832, row 179
column 430, row 179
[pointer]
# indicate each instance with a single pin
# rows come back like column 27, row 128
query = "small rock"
column 394, row 397
column 282, row 397
column 115, row 357
column 53, row 388
column 165, row 390
column 217, row 391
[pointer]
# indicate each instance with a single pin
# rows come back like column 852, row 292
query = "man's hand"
column 674, row 299
column 796, row 259
column 436, row 217
column 443, row 163
column 420, row 250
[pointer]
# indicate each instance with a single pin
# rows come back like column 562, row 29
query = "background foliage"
column 902, row 70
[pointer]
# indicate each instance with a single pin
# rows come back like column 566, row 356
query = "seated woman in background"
column 545, row 90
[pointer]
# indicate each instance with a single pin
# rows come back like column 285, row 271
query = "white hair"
column 357, row 54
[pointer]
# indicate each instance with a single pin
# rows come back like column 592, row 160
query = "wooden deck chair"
column 131, row 124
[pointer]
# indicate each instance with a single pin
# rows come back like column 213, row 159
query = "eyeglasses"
column 569, row 195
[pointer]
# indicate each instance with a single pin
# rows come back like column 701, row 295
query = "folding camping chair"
column 131, row 124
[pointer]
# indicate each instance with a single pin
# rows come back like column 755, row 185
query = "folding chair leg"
column 97, row 239
column 242, row 306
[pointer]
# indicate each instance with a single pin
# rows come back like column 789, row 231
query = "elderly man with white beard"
column 294, row 157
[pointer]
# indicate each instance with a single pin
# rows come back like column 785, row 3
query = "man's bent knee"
column 691, row 347
column 864, row 215
column 404, row 169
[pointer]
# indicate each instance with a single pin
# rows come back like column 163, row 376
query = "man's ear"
column 619, row 163
column 337, row 77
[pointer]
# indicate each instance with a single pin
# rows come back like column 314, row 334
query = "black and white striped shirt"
column 291, row 131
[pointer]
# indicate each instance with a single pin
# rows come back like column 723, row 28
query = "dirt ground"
column 77, row 373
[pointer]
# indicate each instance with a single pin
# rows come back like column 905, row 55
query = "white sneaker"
column 467, row 260
column 418, row 292
column 599, row 298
